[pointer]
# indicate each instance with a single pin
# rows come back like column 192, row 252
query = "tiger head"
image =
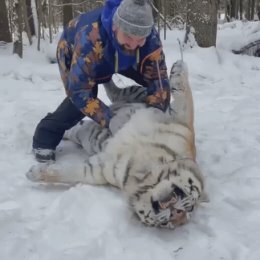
column 170, row 201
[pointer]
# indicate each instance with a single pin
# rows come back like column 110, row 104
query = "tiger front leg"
column 90, row 135
column 85, row 172
column 130, row 94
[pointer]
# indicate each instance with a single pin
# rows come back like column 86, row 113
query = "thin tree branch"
column 75, row 4
column 163, row 18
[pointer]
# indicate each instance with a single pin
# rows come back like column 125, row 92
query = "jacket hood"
column 108, row 13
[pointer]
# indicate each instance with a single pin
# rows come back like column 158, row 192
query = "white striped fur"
column 151, row 156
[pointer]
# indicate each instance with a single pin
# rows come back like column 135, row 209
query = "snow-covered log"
column 251, row 49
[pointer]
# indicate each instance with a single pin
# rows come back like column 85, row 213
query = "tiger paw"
column 40, row 172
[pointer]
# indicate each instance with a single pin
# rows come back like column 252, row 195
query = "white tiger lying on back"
column 151, row 157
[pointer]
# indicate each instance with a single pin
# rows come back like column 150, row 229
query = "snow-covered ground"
column 39, row 222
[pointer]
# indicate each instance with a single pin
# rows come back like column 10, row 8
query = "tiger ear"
column 204, row 197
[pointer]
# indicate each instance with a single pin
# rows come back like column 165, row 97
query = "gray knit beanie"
column 134, row 17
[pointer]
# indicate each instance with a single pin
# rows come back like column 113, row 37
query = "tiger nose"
column 179, row 217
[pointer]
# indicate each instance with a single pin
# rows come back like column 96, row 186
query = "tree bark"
column 50, row 23
column 227, row 11
column 26, row 21
column 202, row 16
column 248, row 4
column 252, row 12
column 164, row 21
column 5, row 34
column 67, row 12
column 234, row 10
column 241, row 9
column 30, row 17
column 18, row 29
column 35, row 15
column 39, row 13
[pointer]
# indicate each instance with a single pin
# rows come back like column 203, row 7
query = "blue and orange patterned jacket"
column 88, row 54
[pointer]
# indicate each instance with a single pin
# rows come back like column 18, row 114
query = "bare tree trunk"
column 30, row 17
column 18, row 29
column 5, row 34
column 228, row 11
column 67, row 12
column 241, row 9
column 158, row 17
column 234, row 11
column 50, row 19
column 35, row 15
column 252, row 11
column 10, row 16
column 171, row 8
column 39, row 12
column 26, row 22
column 248, row 4
column 55, row 27
column 202, row 16
column 44, row 7
column 164, row 23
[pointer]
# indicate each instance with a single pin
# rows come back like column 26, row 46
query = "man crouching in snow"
column 117, row 38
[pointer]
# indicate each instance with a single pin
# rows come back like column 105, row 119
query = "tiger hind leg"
column 183, row 102
column 77, row 168
column 69, row 172
column 89, row 135
column 182, row 105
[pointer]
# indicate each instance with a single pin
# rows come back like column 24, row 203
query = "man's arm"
column 82, row 86
column 154, row 71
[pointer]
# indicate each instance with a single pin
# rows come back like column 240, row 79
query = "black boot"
column 44, row 155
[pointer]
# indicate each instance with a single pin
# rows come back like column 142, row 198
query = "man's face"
column 128, row 42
